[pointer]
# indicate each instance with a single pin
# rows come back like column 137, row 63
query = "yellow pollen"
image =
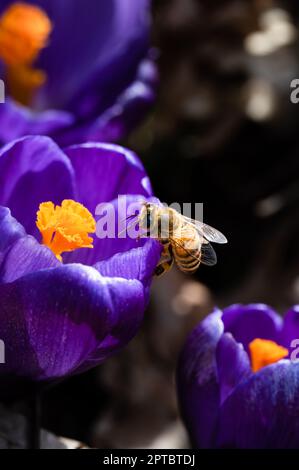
column 265, row 352
column 24, row 32
column 65, row 228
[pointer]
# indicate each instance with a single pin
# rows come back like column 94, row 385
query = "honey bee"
column 185, row 241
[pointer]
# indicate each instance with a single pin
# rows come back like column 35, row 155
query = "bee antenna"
column 131, row 216
column 128, row 217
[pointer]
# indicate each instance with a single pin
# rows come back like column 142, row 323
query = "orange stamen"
column 265, row 352
column 23, row 82
column 24, row 32
column 65, row 228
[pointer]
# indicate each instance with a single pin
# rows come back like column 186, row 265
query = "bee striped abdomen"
column 186, row 250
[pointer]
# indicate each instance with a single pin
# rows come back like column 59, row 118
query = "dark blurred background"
column 224, row 132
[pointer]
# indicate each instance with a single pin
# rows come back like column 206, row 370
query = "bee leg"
column 163, row 267
column 166, row 262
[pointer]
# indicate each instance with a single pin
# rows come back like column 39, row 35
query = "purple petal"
column 49, row 334
column 10, row 229
column 148, row 71
column 247, row 322
column 33, row 170
column 25, row 256
column 263, row 412
column 137, row 263
column 233, row 365
column 122, row 117
column 17, row 121
column 103, row 171
column 197, row 379
column 90, row 73
column 290, row 329
column 100, row 60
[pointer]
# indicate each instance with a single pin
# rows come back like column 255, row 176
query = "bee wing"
column 208, row 255
column 207, row 252
column 209, row 233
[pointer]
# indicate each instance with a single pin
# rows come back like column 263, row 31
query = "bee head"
column 147, row 216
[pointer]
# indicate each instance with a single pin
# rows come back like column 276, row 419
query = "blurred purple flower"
column 60, row 319
column 100, row 77
column 224, row 403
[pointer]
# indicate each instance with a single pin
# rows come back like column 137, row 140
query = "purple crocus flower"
column 238, row 379
column 58, row 319
column 74, row 70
